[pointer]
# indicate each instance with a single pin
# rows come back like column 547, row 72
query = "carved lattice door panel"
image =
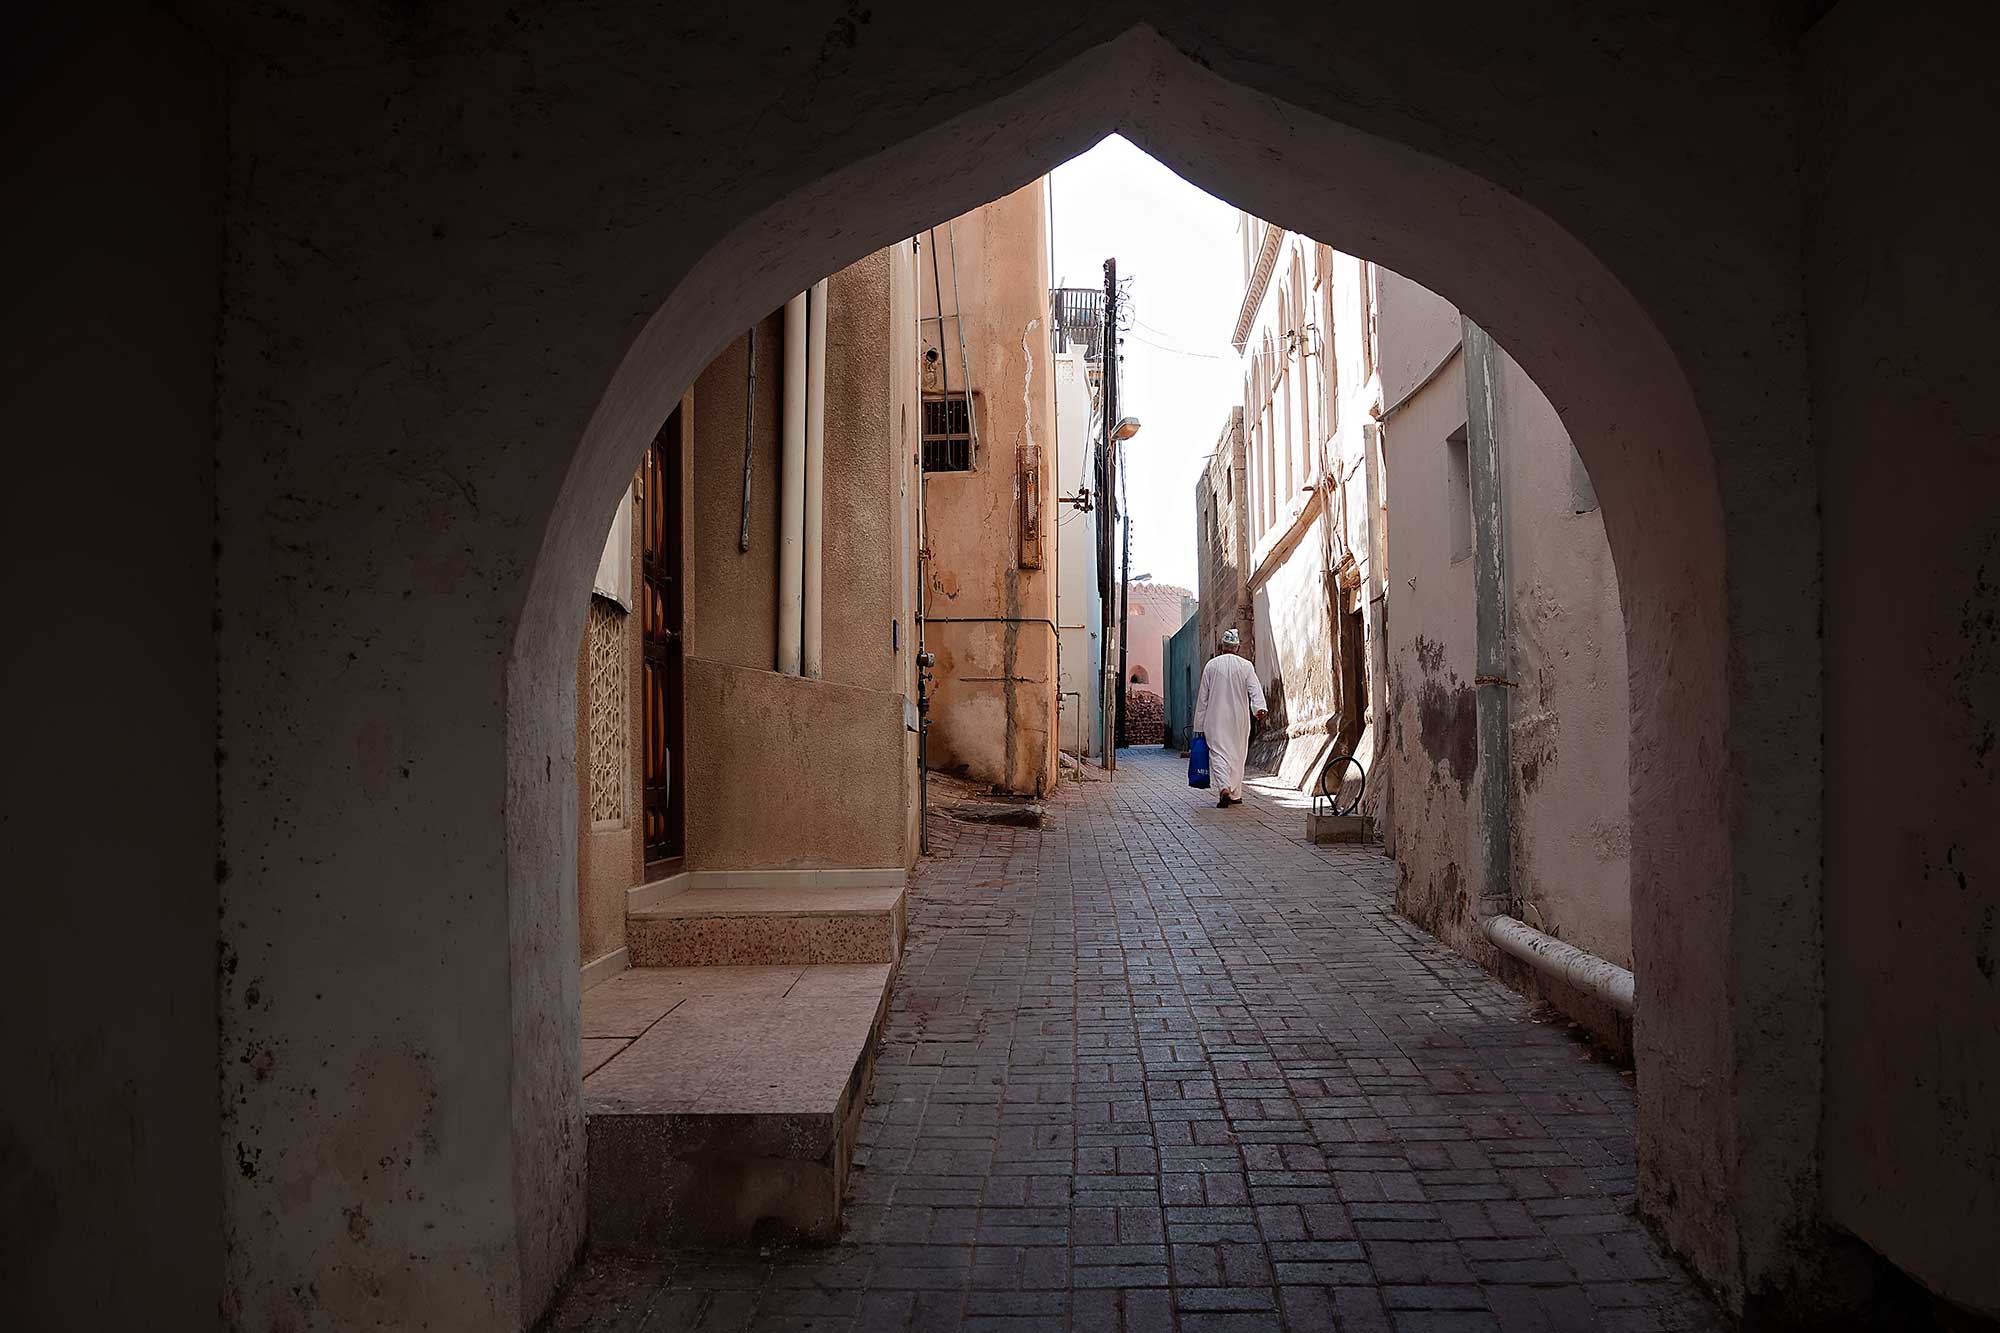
column 661, row 608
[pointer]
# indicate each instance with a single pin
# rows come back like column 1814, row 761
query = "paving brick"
column 1159, row 1065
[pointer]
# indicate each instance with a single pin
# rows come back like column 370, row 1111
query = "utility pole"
column 1107, row 517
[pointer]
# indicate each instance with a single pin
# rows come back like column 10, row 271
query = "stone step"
column 721, row 1104
column 748, row 926
column 1340, row 828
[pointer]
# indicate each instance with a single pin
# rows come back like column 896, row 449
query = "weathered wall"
column 1570, row 774
column 113, row 170
column 1900, row 103
column 1222, row 527
column 1294, row 643
column 1568, row 781
column 991, row 600
column 748, row 754
column 1433, row 749
column 1303, row 324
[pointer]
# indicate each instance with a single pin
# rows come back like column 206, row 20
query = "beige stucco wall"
column 816, row 777
column 787, row 771
column 990, row 617
column 1571, row 721
column 1568, row 788
column 758, row 742
column 1153, row 616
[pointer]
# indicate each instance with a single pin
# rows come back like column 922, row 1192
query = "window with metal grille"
column 948, row 433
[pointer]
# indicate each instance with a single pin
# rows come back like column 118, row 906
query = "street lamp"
column 1126, row 428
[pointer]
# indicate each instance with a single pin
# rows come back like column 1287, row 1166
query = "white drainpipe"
column 815, row 478
column 791, row 490
column 1564, row 962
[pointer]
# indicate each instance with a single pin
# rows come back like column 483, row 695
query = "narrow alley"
column 1160, row 1065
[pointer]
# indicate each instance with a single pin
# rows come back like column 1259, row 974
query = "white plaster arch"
column 1554, row 305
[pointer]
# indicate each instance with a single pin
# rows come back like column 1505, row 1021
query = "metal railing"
column 1076, row 318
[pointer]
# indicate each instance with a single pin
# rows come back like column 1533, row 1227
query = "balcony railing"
column 1076, row 319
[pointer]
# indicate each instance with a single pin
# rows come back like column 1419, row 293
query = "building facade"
column 1354, row 393
column 989, row 503
column 710, row 690
column 1076, row 337
column 1304, row 330
column 1222, row 538
column 1531, row 820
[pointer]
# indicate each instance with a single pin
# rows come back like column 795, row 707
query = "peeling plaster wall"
column 993, row 711
column 110, row 1190
column 1433, row 745
column 1902, row 102
column 1568, row 802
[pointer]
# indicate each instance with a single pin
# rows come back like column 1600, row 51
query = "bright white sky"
column 1177, row 245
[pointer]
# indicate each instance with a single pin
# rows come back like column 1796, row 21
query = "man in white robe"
column 1229, row 698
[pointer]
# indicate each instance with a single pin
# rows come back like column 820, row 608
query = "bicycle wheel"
column 1342, row 783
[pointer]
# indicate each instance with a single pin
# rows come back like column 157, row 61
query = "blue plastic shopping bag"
column 1198, row 762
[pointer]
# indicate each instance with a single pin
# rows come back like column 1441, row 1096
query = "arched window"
column 1138, row 675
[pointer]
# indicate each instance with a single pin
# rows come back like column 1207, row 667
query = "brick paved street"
column 1159, row 1065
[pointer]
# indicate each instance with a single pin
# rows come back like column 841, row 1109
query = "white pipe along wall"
column 791, row 491
column 815, row 478
column 1493, row 635
column 1580, row 971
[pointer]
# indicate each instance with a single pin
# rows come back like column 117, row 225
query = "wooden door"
column 1353, row 678
column 662, row 602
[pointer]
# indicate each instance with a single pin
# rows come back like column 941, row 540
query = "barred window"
column 948, row 433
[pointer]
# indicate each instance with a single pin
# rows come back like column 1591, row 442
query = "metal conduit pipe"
column 791, row 492
column 1493, row 649
column 1566, row 963
column 1493, row 664
column 813, row 583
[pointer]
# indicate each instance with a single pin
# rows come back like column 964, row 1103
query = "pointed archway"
column 643, row 224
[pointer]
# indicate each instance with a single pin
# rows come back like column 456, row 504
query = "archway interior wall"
column 114, row 171
column 414, row 345
column 1901, row 341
